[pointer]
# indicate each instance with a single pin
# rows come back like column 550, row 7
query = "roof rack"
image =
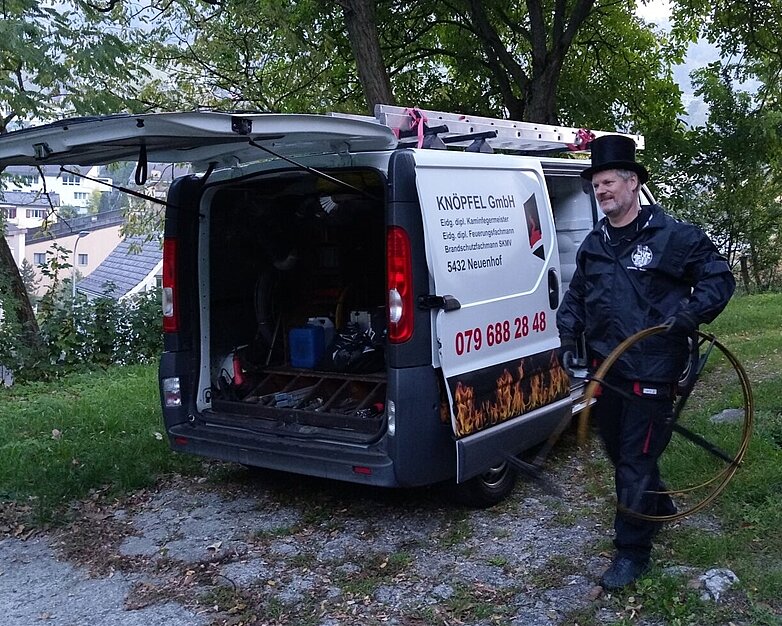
column 510, row 134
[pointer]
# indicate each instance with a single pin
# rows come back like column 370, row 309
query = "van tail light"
column 400, row 285
column 170, row 295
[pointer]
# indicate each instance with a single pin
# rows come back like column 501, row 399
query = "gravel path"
column 241, row 547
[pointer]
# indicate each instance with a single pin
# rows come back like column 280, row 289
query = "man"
column 638, row 268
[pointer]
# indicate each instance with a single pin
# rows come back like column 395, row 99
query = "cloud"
column 655, row 11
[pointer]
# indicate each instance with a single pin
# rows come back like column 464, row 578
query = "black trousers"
column 635, row 430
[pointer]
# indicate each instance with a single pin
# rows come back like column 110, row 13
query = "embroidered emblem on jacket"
column 642, row 255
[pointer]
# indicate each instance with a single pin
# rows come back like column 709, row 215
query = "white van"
column 344, row 302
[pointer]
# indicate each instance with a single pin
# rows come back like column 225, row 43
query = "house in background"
column 33, row 202
column 133, row 267
column 21, row 210
column 72, row 189
column 89, row 240
column 92, row 241
column 28, row 209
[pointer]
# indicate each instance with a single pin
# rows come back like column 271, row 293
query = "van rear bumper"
column 370, row 466
column 487, row 448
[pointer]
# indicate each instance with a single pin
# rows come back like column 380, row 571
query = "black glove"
column 683, row 323
column 567, row 352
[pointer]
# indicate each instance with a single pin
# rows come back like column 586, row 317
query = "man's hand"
column 567, row 353
column 683, row 323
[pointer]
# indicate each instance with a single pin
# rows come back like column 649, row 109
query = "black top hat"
column 614, row 152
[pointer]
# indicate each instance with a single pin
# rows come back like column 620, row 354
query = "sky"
column 656, row 11
column 698, row 55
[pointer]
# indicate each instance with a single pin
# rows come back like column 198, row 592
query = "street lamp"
column 82, row 233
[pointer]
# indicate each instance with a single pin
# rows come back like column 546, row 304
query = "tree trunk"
column 360, row 21
column 23, row 310
column 756, row 271
column 745, row 273
column 550, row 36
column 540, row 104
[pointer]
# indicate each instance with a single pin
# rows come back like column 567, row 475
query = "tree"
column 67, row 211
column 539, row 60
column 94, row 202
column 283, row 56
column 361, row 25
column 70, row 59
column 727, row 177
column 30, row 279
column 545, row 61
column 748, row 35
column 531, row 92
column 59, row 60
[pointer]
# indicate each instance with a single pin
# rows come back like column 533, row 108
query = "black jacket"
column 665, row 267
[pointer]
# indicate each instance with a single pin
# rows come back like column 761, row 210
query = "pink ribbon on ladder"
column 417, row 122
column 584, row 137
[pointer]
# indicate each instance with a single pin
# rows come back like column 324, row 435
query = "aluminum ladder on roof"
column 511, row 135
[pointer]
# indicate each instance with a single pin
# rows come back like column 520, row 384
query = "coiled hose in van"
column 720, row 480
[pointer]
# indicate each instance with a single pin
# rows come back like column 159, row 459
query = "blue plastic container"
column 307, row 345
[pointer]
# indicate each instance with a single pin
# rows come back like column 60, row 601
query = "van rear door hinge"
column 447, row 303
column 241, row 125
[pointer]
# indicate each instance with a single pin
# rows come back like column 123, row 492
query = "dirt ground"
column 240, row 547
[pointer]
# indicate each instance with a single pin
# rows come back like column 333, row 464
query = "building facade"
column 70, row 187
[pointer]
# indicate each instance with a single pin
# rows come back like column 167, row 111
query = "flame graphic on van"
column 511, row 395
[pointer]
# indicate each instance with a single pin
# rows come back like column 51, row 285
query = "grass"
column 750, row 509
column 375, row 571
column 87, row 431
column 478, row 602
column 552, row 573
column 456, row 529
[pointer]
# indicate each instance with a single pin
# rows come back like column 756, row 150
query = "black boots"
column 622, row 572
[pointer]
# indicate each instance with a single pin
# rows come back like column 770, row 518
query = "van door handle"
column 553, row 288
column 447, row 303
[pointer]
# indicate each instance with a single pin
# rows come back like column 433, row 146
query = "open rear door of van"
column 493, row 261
column 197, row 137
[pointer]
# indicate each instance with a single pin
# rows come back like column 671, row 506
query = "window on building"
column 70, row 179
column 39, row 258
column 80, row 195
column 29, row 180
column 38, row 213
column 9, row 213
column 83, row 259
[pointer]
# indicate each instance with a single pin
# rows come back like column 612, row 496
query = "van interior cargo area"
column 296, row 300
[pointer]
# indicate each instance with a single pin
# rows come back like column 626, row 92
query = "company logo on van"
column 642, row 256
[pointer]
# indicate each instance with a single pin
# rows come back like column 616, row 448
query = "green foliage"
column 67, row 211
column 58, row 60
column 727, row 177
column 102, row 331
column 77, row 332
column 94, row 203
column 295, row 56
column 92, row 429
column 69, row 58
column 56, row 261
column 281, row 56
column 143, row 220
column 749, row 36
column 30, row 279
